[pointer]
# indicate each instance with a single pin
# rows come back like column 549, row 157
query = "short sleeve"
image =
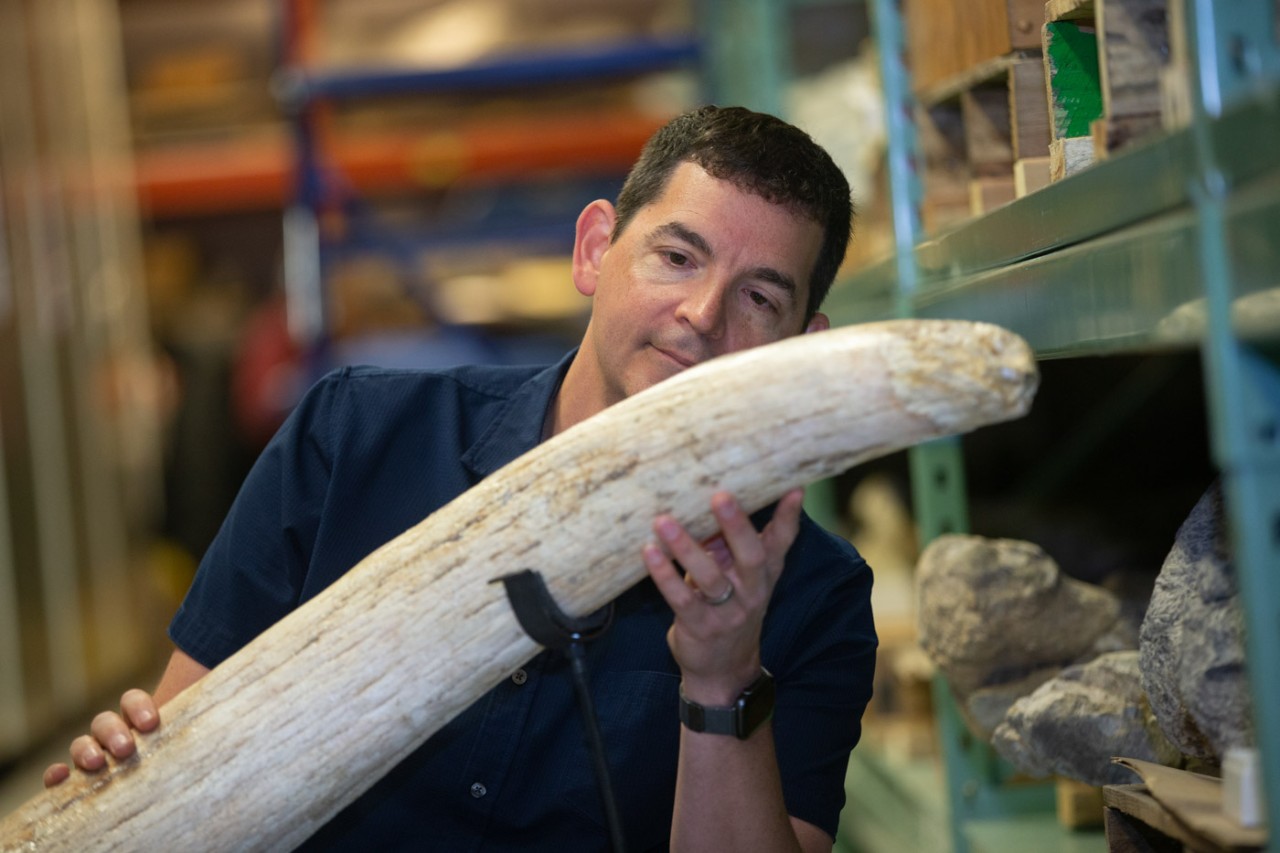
column 253, row 572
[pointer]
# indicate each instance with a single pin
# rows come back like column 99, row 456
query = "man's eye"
column 677, row 259
column 760, row 299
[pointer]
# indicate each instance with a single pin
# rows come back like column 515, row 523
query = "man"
column 726, row 235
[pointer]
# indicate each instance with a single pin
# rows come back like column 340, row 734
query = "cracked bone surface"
column 226, row 769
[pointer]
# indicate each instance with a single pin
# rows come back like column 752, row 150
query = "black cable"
column 578, row 661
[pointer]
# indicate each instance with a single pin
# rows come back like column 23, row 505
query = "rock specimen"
column 986, row 707
column 1072, row 725
column 993, row 611
column 1192, row 640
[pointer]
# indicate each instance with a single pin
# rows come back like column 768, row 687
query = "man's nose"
column 704, row 308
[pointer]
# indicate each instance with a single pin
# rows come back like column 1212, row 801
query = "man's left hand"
column 720, row 601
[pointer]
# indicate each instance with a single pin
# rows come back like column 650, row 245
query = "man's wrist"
column 749, row 709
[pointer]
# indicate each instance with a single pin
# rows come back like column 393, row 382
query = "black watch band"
column 752, row 707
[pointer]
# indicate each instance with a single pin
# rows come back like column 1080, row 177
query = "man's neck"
column 575, row 400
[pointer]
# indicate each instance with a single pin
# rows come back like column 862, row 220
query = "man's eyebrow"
column 768, row 274
column 776, row 278
column 681, row 232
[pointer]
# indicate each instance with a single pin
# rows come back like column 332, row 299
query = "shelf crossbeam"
column 297, row 86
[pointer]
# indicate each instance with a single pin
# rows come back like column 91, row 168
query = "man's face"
column 704, row 270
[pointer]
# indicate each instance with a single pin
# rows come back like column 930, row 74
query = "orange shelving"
column 257, row 173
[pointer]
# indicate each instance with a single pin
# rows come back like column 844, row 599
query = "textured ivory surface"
column 264, row 749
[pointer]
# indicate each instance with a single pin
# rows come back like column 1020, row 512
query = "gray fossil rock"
column 1192, row 640
column 985, row 708
column 1074, row 724
column 993, row 611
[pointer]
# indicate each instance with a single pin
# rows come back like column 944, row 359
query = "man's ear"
column 819, row 323
column 590, row 242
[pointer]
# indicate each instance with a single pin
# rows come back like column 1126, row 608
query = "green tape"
column 1074, row 80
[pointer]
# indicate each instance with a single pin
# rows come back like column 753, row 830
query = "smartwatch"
column 752, row 707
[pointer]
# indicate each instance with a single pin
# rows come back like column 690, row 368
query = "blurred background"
column 205, row 206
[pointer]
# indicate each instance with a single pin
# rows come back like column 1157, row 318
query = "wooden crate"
column 946, row 38
column 975, row 128
column 1106, row 76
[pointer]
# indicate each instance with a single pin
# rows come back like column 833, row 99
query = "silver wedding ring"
column 719, row 599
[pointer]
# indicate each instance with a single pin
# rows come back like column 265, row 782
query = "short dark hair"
column 761, row 154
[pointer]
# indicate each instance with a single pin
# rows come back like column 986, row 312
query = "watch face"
column 755, row 705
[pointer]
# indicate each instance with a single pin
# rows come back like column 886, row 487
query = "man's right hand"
column 109, row 733
column 139, row 711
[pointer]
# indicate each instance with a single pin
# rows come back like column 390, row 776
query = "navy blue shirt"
column 367, row 454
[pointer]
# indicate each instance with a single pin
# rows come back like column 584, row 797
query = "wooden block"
column 988, row 137
column 988, row 193
column 1030, row 174
column 1029, row 109
column 1068, row 10
column 1068, row 156
column 932, row 49
column 1071, row 77
column 1111, row 134
column 1176, row 20
column 1129, row 835
column 1024, row 20
column 1175, row 97
column 946, row 203
column 1079, row 804
column 945, row 38
column 1134, row 38
column 989, row 28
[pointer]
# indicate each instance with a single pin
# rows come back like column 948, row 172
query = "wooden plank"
column 1072, row 78
column 1110, row 134
column 1193, row 803
column 945, row 38
column 988, row 141
column 1029, row 109
column 1068, row 156
column 946, row 203
column 1024, row 18
column 1030, row 174
column 951, row 87
column 274, row 741
column 1134, row 35
column 1175, row 77
column 933, row 50
column 1079, row 805
column 1068, row 10
column 1129, row 835
column 1136, row 802
column 988, row 193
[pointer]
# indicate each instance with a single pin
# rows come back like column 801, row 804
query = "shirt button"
column 478, row 790
column 520, row 676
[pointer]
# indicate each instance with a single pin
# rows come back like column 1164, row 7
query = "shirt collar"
column 518, row 429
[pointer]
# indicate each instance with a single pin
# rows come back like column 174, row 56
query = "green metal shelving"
column 1170, row 245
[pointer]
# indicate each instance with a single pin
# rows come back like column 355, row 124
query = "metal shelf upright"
column 1183, row 251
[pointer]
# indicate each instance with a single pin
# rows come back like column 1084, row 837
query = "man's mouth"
column 681, row 360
